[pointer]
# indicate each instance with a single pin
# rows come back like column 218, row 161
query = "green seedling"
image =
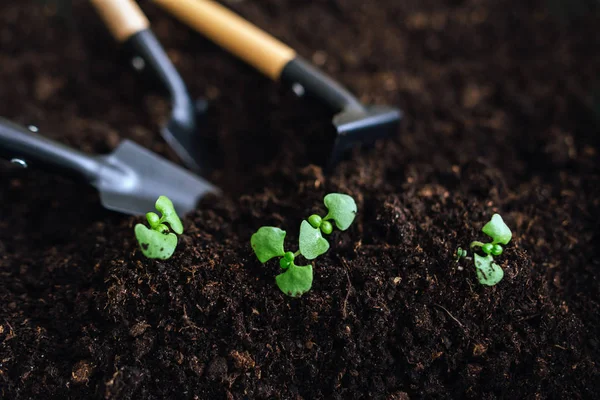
column 158, row 241
column 460, row 253
column 488, row 272
column 268, row 243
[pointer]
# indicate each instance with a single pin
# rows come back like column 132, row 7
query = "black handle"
column 19, row 142
column 145, row 45
column 317, row 84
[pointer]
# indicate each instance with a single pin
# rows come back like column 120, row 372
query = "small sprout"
column 497, row 230
column 268, row 242
column 158, row 242
column 488, row 272
column 460, row 253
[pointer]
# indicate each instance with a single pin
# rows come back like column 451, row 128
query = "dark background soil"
column 497, row 96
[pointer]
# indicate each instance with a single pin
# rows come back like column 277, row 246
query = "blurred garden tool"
column 128, row 25
column 354, row 121
column 129, row 179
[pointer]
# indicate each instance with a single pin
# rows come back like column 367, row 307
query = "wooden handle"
column 122, row 17
column 233, row 33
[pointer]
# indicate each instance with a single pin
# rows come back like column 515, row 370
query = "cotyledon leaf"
column 165, row 206
column 267, row 243
column 311, row 243
column 295, row 281
column 497, row 230
column 342, row 209
column 155, row 244
column 488, row 272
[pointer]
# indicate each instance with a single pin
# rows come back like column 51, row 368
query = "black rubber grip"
column 318, row 84
column 145, row 45
column 19, row 142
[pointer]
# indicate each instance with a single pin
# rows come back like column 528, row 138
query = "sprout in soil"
column 488, row 272
column 460, row 253
column 267, row 243
column 158, row 242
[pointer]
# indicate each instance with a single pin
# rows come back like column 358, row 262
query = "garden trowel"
column 130, row 27
column 129, row 179
column 354, row 121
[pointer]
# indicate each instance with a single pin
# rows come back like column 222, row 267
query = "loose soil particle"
column 496, row 96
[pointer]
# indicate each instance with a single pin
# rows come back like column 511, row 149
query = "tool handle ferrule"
column 233, row 33
column 123, row 18
column 17, row 141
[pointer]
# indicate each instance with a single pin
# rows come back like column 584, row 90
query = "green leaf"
column 155, row 244
column 162, row 228
column 312, row 244
column 488, row 272
column 165, row 206
column 267, row 243
column 153, row 219
column 497, row 230
column 295, row 281
column 342, row 209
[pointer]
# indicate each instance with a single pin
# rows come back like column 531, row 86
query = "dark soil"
column 496, row 96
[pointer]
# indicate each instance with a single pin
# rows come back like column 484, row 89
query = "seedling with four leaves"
column 268, row 243
column 488, row 272
column 158, row 241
